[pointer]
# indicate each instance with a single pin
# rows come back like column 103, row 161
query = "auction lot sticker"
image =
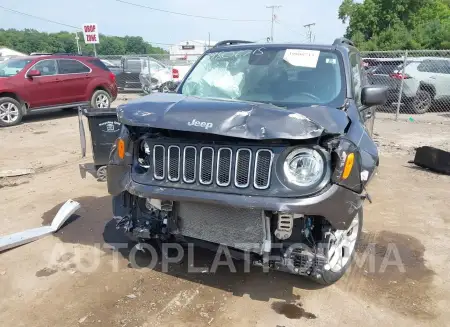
column 302, row 58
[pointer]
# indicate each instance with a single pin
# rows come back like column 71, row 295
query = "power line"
column 59, row 23
column 296, row 32
column 41, row 18
column 190, row 15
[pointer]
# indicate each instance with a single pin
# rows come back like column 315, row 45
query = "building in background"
column 6, row 53
column 189, row 50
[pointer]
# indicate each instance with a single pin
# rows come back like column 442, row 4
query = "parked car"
column 263, row 148
column 128, row 76
column 156, row 77
column 30, row 84
column 426, row 80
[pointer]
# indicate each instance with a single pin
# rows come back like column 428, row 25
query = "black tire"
column 100, row 100
column 10, row 118
column 330, row 277
column 167, row 87
column 422, row 102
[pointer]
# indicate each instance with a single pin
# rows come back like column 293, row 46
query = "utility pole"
column 273, row 7
column 78, row 43
column 308, row 26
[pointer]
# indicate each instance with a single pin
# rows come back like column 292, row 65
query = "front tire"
column 340, row 261
column 101, row 100
column 10, row 112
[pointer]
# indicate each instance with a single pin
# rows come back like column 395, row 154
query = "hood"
column 250, row 120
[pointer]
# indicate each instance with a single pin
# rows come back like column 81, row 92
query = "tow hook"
column 366, row 196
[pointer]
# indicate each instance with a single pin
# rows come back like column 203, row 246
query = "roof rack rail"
column 40, row 54
column 231, row 42
column 68, row 54
column 343, row 40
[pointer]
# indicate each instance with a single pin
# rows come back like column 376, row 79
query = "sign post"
column 90, row 33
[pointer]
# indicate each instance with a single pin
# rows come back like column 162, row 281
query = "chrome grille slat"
column 189, row 164
column 242, row 167
column 173, row 163
column 159, row 162
column 263, row 169
column 224, row 166
column 206, row 170
column 208, row 165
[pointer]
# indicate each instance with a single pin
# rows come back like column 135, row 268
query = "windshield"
column 284, row 77
column 12, row 67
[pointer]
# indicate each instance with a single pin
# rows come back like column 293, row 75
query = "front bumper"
column 337, row 204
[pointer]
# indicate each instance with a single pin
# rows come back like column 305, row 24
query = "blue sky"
column 115, row 18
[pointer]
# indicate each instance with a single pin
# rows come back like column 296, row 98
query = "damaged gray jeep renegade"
column 263, row 148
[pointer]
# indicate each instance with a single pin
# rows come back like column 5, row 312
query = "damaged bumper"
column 336, row 203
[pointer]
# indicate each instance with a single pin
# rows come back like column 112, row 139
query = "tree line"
column 30, row 40
column 397, row 24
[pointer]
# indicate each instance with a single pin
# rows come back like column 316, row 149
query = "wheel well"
column 429, row 88
column 98, row 88
column 17, row 98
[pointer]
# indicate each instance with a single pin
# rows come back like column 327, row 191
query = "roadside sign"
column 90, row 33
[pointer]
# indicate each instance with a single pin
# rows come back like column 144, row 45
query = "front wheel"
column 100, row 100
column 10, row 112
column 340, row 251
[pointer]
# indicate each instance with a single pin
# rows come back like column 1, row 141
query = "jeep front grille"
column 221, row 166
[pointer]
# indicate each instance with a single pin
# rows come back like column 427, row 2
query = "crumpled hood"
column 232, row 118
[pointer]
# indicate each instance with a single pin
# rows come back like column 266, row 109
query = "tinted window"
column 100, row 64
column 284, row 77
column 356, row 77
column 68, row 66
column 46, row 67
column 434, row 66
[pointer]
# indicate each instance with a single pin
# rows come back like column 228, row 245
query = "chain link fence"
column 418, row 81
column 147, row 73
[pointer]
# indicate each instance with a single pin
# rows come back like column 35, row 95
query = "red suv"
column 56, row 81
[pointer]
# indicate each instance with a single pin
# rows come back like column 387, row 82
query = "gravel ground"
column 73, row 279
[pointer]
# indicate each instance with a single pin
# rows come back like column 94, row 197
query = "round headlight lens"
column 304, row 167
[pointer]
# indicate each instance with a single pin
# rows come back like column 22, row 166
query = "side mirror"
column 374, row 95
column 33, row 73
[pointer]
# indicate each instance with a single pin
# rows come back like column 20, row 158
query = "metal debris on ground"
column 16, row 172
column 30, row 235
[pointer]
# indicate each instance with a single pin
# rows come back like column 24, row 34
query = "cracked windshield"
column 279, row 76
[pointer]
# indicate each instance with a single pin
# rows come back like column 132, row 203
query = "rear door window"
column 71, row 66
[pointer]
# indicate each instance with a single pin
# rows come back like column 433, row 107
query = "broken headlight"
column 304, row 167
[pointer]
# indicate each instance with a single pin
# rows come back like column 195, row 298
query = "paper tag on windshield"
column 302, row 58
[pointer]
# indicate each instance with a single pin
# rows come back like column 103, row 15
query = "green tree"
column 30, row 40
column 397, row 24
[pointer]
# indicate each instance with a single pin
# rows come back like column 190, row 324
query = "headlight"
column 304, row 167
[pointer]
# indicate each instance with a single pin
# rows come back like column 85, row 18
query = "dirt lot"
column 72, row 279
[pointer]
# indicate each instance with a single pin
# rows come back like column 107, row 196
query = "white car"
column 425, row 80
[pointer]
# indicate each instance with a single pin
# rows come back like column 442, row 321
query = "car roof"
column 56, row 56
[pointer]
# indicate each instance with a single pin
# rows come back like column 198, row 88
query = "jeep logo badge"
column 202, row 124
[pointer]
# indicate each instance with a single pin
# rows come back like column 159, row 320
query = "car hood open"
column 250, row 120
